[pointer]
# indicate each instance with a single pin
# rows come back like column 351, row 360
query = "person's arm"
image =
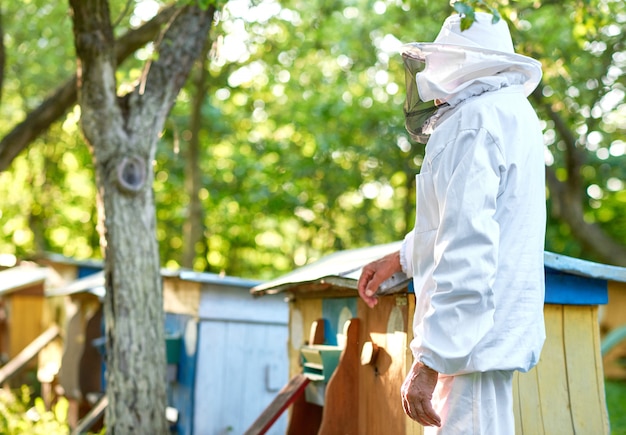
column 374, row 274
column 462, row 307
column 417, row 392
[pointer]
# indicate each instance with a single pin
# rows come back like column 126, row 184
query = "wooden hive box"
column 613, row 330
column 212, row 326
column 82, row 372
column 22, row 306
column 564, row 394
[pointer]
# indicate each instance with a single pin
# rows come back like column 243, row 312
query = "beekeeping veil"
column 459, row 64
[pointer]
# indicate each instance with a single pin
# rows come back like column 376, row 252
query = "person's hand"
column 374, row 274
column 417, row 392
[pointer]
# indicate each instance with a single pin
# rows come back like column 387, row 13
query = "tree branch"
column 96, row 65
column 573, row 157
column 177, row 51
column 64, row 97
column 567, row 197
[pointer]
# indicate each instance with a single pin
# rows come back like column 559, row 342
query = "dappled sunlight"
column 302, row 120
column 143, row 11
column 618, row 148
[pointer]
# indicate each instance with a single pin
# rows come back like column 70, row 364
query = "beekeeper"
column 476, row 251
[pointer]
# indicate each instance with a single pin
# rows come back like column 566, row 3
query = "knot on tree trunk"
column 131, row 174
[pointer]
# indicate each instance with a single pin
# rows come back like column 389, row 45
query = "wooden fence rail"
column 11, row 368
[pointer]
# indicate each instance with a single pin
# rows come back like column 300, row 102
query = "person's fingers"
column 374, row 274
column 373, row 284
column 410, row 410
column 411, row 405
column 417, row 405
column 371, row 301
column 426, row 414
column 407, row 407
column 420, row 416
column 430, row 414
column 417, row 411
column 365, row 279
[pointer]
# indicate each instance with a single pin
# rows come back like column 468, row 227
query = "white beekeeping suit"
column 476, row 251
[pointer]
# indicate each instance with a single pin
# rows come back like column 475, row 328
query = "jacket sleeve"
column 406, row 255
column 467, row 178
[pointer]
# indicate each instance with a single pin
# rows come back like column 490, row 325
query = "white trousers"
column 474, row 404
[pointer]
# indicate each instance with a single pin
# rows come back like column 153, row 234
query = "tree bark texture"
column 122, row 133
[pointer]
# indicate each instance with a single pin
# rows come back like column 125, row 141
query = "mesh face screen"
column 416, row 111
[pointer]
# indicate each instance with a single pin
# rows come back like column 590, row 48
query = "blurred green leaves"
column 467, row 10
column 303, row 147
column 20, row 413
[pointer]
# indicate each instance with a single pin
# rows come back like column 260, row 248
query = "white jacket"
column 476, row 251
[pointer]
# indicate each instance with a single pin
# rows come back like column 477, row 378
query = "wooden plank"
column 306, row 325
column 287, row 395
column 411, row 427
column 25, row 321
column 530, row 403
column 264, row 347
column 552, row 377
column 181, row 297
column 235, row 304
column 210, row 388
column 317, row 332
column 90, row 363
column 70, row 361
column 588, row 413
column 566, row 387
column 97, row 412
column 306, row 417
column 385, row 326
column 340, row 415
column 11, row 368
column 92, row 417
column 613, row 315
column 599, row 370
column 240, row 377
column 302, row 314
column 234, row 359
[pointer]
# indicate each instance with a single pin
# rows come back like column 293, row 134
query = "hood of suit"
column 460, row 64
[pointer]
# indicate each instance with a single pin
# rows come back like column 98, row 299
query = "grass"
column 616, row 403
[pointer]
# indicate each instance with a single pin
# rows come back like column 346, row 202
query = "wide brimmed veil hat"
column 458, row 58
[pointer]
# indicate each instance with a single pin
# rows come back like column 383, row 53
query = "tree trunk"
column 133, row 310
column 193, row 229
column 123, row 133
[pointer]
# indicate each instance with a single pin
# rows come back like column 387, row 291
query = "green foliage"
column 616, row 403
column 49, row 200
column 296, row 165
column 303, row 147
column 204, row 4
column 22, row 414
column 581, row 48
column 467, row 10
